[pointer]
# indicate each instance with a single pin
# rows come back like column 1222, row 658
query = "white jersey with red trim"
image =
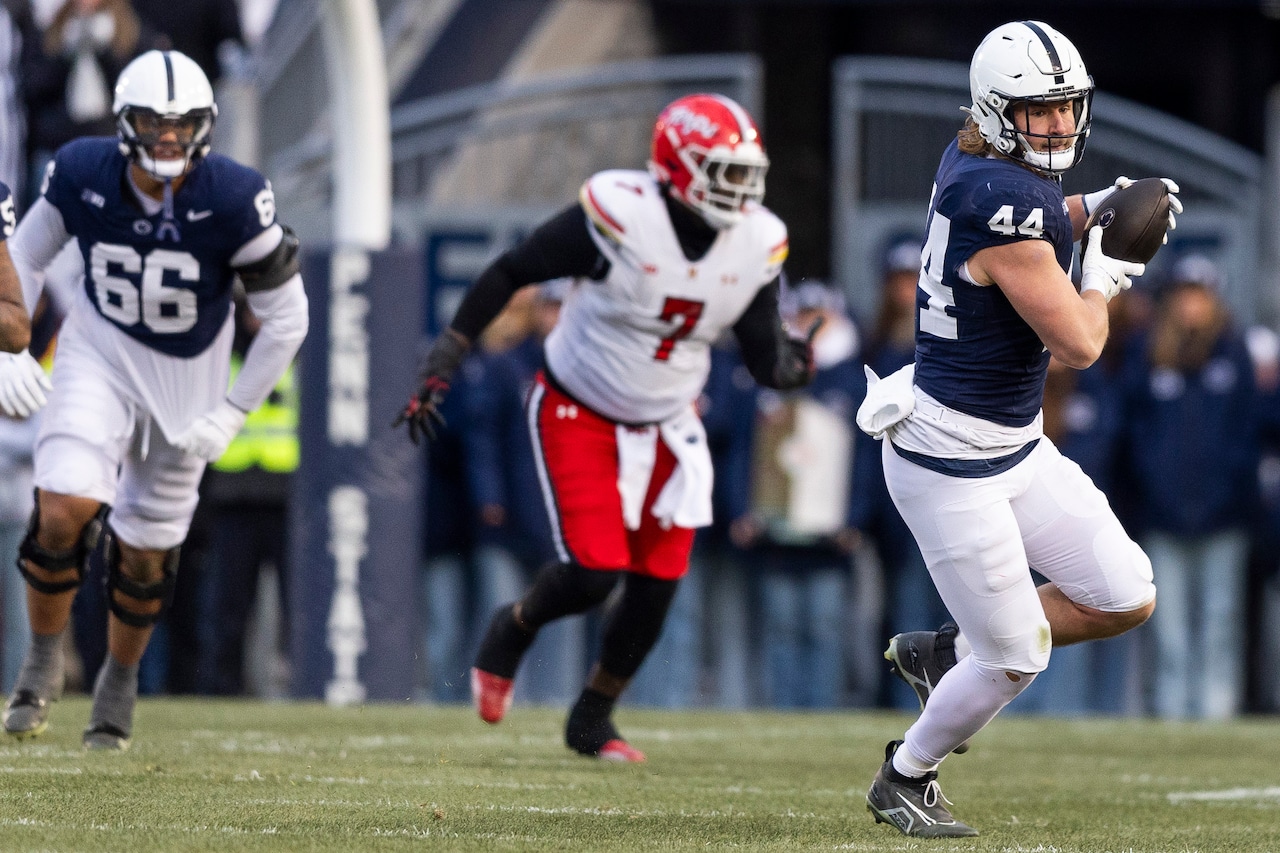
column 635, row 347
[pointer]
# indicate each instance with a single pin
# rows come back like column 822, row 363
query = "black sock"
column 589, row 727
column 504, row 644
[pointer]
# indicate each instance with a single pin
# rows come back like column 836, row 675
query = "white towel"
column 637, row 453
column 685, row 500
column 889, row 401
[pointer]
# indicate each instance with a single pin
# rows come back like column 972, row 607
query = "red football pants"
column 577, row 453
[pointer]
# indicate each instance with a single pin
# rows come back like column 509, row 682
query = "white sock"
column 965, row 700
column 908, row 765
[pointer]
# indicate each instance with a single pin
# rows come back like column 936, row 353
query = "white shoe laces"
column 933, row 793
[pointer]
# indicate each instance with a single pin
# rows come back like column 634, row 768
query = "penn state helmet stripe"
column 1048, row 44
column 168, row 74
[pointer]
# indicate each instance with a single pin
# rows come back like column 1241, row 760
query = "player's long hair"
column 971, row 140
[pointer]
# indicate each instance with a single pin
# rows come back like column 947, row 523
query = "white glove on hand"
column 1093, row 199
column 1106, row 275
column 1175, row 206
column 22, row 384
column 209, row 436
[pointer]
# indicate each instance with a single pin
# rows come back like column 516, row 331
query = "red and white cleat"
column 620, row 750
column 491, row 694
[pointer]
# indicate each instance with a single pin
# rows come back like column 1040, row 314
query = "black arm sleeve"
column 761, row 337
column 276, row 268
column 559, row 247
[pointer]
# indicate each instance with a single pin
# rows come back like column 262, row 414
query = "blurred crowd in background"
column 808, row 569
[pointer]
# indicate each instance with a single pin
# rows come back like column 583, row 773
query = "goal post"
column 361, row 117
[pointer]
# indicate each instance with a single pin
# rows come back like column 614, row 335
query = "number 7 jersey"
column 635, row 347
column 165, row 283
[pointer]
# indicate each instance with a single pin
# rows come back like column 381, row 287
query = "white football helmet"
column 160, row 92
column 1028, row 61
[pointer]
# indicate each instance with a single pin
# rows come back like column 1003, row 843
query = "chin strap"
column 169, row 227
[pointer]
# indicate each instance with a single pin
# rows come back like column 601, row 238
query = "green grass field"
column 230, row 776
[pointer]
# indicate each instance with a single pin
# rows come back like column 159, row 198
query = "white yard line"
column 1228, row 795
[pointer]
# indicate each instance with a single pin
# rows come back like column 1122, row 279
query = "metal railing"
column 893, row 117
column 511, row 143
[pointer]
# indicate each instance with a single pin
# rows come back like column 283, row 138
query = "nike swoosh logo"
column 193, row 216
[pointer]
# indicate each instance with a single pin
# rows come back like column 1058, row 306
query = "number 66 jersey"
column 156, row 299
column 635, row 347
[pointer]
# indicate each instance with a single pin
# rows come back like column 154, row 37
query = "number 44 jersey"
column 635, row 347
column 974, row 352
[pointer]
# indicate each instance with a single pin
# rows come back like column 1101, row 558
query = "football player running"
column 667, row 260
column 139, row 399
column 986, row 495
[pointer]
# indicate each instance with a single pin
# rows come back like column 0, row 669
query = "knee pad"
column 1022, row 647
column 76, row 557
column 117, row 581
column 563, row 589
column 635, row 624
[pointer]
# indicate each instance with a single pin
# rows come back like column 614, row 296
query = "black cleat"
column 921, row 658
column 915, row 807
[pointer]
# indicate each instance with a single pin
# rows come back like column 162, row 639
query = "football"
column 1133, row 219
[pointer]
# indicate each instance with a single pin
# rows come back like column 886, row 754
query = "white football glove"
column 209, row 436
column 1097, row 197
column 22, row 384
column 1175, row 206
column 1106, row 275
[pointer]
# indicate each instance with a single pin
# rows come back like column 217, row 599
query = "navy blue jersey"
column 8, row 218
column 167, row 284
column 973, row 352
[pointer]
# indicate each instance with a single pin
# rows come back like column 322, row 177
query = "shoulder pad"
column 80, row 162
column 612, row 199
column 1011, row 207
column 770, row 232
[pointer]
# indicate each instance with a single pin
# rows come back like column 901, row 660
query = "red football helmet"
column 707, row 149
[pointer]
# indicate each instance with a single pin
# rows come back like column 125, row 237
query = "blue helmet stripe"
column 1048, row 44
column 168, row 73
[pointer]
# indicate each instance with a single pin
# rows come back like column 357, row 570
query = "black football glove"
column 422, row 412
column 796, row 367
